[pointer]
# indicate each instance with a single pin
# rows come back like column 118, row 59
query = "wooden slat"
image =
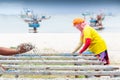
column 46, row 67
column 48, row 57
column 105, row 78
column 52, row 61
column 46, row 72
column 52, row 54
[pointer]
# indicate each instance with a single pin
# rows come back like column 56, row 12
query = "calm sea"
column 56, row 24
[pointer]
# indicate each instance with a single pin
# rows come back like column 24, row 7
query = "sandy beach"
column 61, row 42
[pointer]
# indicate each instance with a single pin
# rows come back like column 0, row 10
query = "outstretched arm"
column 78, row 47
column 22, row 48
column 8, row 51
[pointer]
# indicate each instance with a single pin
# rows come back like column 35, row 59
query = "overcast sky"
column 59, row 6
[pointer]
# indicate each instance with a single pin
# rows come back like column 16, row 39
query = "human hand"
column 80, row 54
column 25, row 47
column 75, row 54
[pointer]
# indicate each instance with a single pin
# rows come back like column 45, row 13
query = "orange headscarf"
column 78, row 21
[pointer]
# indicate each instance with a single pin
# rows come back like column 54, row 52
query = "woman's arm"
column 78, row 47
column 86, row 45
column 8, row 51
column 22, row 48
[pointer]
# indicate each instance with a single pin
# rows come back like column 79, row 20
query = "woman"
column 91, row 40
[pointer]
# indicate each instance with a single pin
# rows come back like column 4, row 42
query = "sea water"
column 56, row 24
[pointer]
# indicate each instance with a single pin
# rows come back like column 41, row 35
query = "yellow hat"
column 78, row 21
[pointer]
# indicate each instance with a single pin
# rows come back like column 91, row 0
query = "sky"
column 59, row 6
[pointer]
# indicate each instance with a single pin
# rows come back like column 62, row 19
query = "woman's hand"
column 25, row 47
